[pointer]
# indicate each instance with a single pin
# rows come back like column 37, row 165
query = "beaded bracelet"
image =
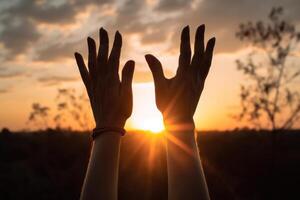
column 101, row 130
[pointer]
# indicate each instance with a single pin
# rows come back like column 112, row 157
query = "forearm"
column 101, row 181
column 185, row 174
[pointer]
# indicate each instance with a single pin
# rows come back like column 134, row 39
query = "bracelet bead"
column 101, row 130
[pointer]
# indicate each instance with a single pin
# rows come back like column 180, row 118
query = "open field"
column 237, row 164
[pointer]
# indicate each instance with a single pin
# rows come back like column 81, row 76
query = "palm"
column 177, row 98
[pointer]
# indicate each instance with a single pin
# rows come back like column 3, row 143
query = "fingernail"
column 148, row 56
column 118, row 34
column 186, row 29
column 102, row 30
column 185, row 33
column 202, row 27
column 213, row 39
column 131, row 62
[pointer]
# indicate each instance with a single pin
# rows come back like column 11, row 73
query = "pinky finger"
column 83, row 72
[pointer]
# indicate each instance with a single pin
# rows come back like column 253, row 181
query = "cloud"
column 173, row 5
column 129, row 16
column 222, row 19
column 19, row 21
column 10, row 75
column 58, row 51
column 3, row 91
column 6, row 88
column 157, row 23
column 52, row 12
column 56, row 80
column 6, row 73
column 18, row 35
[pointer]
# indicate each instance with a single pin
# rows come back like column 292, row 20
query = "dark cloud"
column 56, row 80
column 173, row 5
column 19, row 21
column 60, row 51
column 49, row 12
column 44, row 11
column 222, row 19
column 129, row 16
column 127, row 20
column 18, row 35
column 157, row 24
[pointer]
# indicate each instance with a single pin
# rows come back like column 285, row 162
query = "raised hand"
column 177, row 98
column 110, row 98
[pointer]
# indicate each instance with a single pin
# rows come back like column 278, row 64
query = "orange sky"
column 219, row 98
column 38, row 40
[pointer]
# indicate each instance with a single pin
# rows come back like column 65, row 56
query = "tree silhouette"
column 271, row 95
column 39, row 115
column 71, row 112
column 72, row 106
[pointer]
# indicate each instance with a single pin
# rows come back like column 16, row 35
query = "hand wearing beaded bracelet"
column 101, row 130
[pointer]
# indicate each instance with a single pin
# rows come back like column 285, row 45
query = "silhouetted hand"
column 111, row 99
column 177, row 98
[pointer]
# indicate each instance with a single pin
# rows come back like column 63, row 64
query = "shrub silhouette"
column 272, row 94
column 51, row 165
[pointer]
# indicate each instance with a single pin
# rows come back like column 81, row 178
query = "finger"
column 127, row 74
column 83, row 71
column 185, row 51
column 156, row 69
column 126, row 85
column 199, row 45
column 207, row 58
column 114, row 58
column 92, row 57
column 103, row 50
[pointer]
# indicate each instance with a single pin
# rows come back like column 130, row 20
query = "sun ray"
column 180, row 144
column 153, row 124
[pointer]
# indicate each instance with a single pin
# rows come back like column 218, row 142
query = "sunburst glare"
column 155, row 125
column 145, row 115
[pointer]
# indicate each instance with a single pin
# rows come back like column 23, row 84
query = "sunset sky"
column 38, row 39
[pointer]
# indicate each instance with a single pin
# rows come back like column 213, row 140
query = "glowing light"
column 155, row 125
column 145, row 115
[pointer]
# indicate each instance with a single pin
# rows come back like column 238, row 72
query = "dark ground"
column 238, row 165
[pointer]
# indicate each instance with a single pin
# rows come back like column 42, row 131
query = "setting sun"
column 145, row 115
column 155, row 125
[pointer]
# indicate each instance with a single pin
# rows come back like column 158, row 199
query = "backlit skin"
column 176, row 98
column 111, row 99
column 111, row 102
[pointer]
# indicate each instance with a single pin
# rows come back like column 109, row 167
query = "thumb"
column 156, row 68
column 127, row 74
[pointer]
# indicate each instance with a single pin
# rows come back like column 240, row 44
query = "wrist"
column 116, row 124
column 107, row 135
column 179, row 125
column 105, row 130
